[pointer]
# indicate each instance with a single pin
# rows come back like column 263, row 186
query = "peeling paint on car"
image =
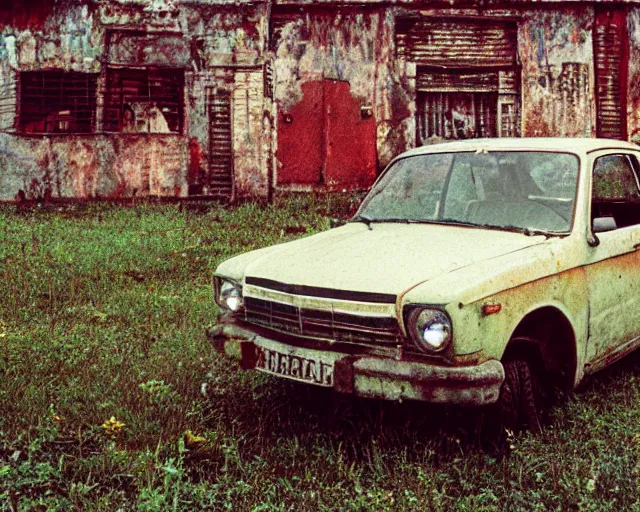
column 574, row 299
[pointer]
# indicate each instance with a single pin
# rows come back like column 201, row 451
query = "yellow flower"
column 57, row 418
column 112, row 426
column 193, row 441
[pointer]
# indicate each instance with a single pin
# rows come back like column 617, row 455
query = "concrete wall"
column 92, row 166
column 219, row 44
column 223, row 45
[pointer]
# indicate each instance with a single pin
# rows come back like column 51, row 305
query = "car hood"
column 389, row 258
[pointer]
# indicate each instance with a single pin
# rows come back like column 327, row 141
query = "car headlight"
column 430, row 329
column 228, row 294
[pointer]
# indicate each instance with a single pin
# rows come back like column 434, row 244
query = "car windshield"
column 517, row 190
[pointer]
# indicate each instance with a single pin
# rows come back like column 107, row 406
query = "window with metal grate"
column 147, row 100
column 57, row 102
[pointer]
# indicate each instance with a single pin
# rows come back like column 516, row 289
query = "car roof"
column 564, row 144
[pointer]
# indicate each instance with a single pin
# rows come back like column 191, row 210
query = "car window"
column 615, row 191
column 472, row 178
column 614, row 179
column 555, row 177
column 413, row 190
column 480, row 188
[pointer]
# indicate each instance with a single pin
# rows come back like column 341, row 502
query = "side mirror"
column 602, row 224
column 336, row 223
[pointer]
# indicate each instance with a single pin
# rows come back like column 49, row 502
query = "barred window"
column 148, row 100
column 57, row 102
column 456, row 115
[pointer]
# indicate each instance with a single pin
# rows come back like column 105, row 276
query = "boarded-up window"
column 148, row 100
column 57, row 102
column 464, row 104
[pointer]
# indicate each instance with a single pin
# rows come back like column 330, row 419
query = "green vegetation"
column 112, row 398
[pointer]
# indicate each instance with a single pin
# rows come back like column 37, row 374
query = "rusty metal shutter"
column 503, row 81
column 455, row 43
column 459, row 82
column 610, row 56
column 220, row 143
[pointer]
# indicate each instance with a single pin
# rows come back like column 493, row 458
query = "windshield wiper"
column 364, row 219
column 525, row 231
column 540, row 232
column 535, row 232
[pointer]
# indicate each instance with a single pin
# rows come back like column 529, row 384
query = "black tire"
column 519, row 405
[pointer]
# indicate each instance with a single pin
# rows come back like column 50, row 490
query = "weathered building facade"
column 186, row 98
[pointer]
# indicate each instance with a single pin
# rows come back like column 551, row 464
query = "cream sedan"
column 471, row 271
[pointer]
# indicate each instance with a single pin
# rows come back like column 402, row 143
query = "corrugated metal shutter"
column 610, row 56
column 458, row 82
column 503, row 82
column 220, row 143
column 456, row 43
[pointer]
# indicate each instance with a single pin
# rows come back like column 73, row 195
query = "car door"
column 613, row 264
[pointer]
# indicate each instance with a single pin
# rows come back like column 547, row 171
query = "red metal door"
column 351, row 154
column 325, row 139
column 300, row 139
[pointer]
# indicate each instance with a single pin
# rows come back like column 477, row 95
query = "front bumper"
column 372, row 376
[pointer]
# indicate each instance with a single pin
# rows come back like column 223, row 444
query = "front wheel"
column 519, row 402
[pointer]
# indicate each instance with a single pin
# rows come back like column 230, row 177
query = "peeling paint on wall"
column 318, row 46
column 92, row 166
column 556, row 51
column 222, row 47
column 247, row 133
column 207, row 40
column 354, row 47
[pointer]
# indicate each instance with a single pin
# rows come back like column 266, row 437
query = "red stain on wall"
column 26, row 14
column 195, row 175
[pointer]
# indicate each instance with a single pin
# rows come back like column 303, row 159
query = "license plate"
column 294, row 367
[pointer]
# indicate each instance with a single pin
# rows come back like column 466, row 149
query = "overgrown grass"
column 102, row 314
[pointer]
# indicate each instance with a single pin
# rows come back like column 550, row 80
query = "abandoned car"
column 471, row 271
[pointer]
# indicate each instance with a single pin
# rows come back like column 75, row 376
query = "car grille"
column 314, row 323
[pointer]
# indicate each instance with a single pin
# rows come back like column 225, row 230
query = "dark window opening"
column 57, row 102
column 615, row 190
column 144, row 100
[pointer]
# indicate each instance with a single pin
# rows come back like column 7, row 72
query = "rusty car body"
column 470, row 267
